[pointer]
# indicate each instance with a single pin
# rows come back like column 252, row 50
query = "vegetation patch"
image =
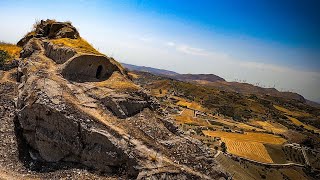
column 271, row 127
column 118, row 82
column 300, row 124
column 80, row 45
column 292, row 113
column 8, row 52
column 247, row 136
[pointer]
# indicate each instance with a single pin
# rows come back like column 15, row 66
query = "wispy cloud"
column 192, row 50
column 146, row 39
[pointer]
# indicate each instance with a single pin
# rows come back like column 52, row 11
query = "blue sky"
column 273, row 43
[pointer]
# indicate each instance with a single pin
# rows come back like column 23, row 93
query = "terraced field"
column 237, row 124
column 247, row 136
column 251, row 150
column 271, row 126
column 299, row 123
column 291, row 113
column 249, row 145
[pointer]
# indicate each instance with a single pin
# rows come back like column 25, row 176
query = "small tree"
column 223, row 147
column 4, row 56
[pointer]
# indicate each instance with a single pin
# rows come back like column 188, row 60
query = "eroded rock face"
column 124, row 105
column 57, row 53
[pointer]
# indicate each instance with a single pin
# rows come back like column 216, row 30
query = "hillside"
column 254, row 130
column 218, row 82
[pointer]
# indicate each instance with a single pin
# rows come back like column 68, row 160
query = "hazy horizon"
column 272, row 43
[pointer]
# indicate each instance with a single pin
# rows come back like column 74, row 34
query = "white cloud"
column 192, row 51
column 147, row 39
column 170, row 44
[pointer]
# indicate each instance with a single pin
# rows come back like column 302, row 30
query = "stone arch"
column 88, row 67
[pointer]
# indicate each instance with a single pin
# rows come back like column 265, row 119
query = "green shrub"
column 4, row 56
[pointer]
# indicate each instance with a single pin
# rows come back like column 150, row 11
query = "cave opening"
column 99, row 71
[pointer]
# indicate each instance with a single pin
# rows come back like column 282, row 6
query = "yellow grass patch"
column 186, row 117
column 191, row 120
column 191, row 105
column 80, row 45
column 117, row 82
column 237, row 124
column 12, row 50
column 156, row 92
column 255, row 107
column 248, row 137
column 251, row 150
column 291, row 113
column 272, row 127
column 133, row 75
column 299, row 123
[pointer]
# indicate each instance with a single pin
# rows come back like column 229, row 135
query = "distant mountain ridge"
column 175, row 75
column 149, row 69
column 217, row 82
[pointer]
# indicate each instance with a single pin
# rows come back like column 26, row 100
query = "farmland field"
column 299, row 123
column 248, row 136
column 251, row 150
column 291, row 113
column 272, row 127
column 237, row 124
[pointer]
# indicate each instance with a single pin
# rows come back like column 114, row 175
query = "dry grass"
column 299, row 123
column 156, row 92
column 187, row 112
column 237, row 124
column 248, row 137
column 118, row 82
column 191, row 120
column 187, row 118
column 133, row 75
column 292, row 113
column 272, row 127
column 258, row 108
column 12, row 50
column 251, row 150
column 80, row 45
column 191, row 105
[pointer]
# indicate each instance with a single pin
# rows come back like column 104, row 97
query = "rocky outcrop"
column 31, row 46
column 85, row 110
column 57, row 53
column 58, row 134
column 124, row 106
column 52, row 30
